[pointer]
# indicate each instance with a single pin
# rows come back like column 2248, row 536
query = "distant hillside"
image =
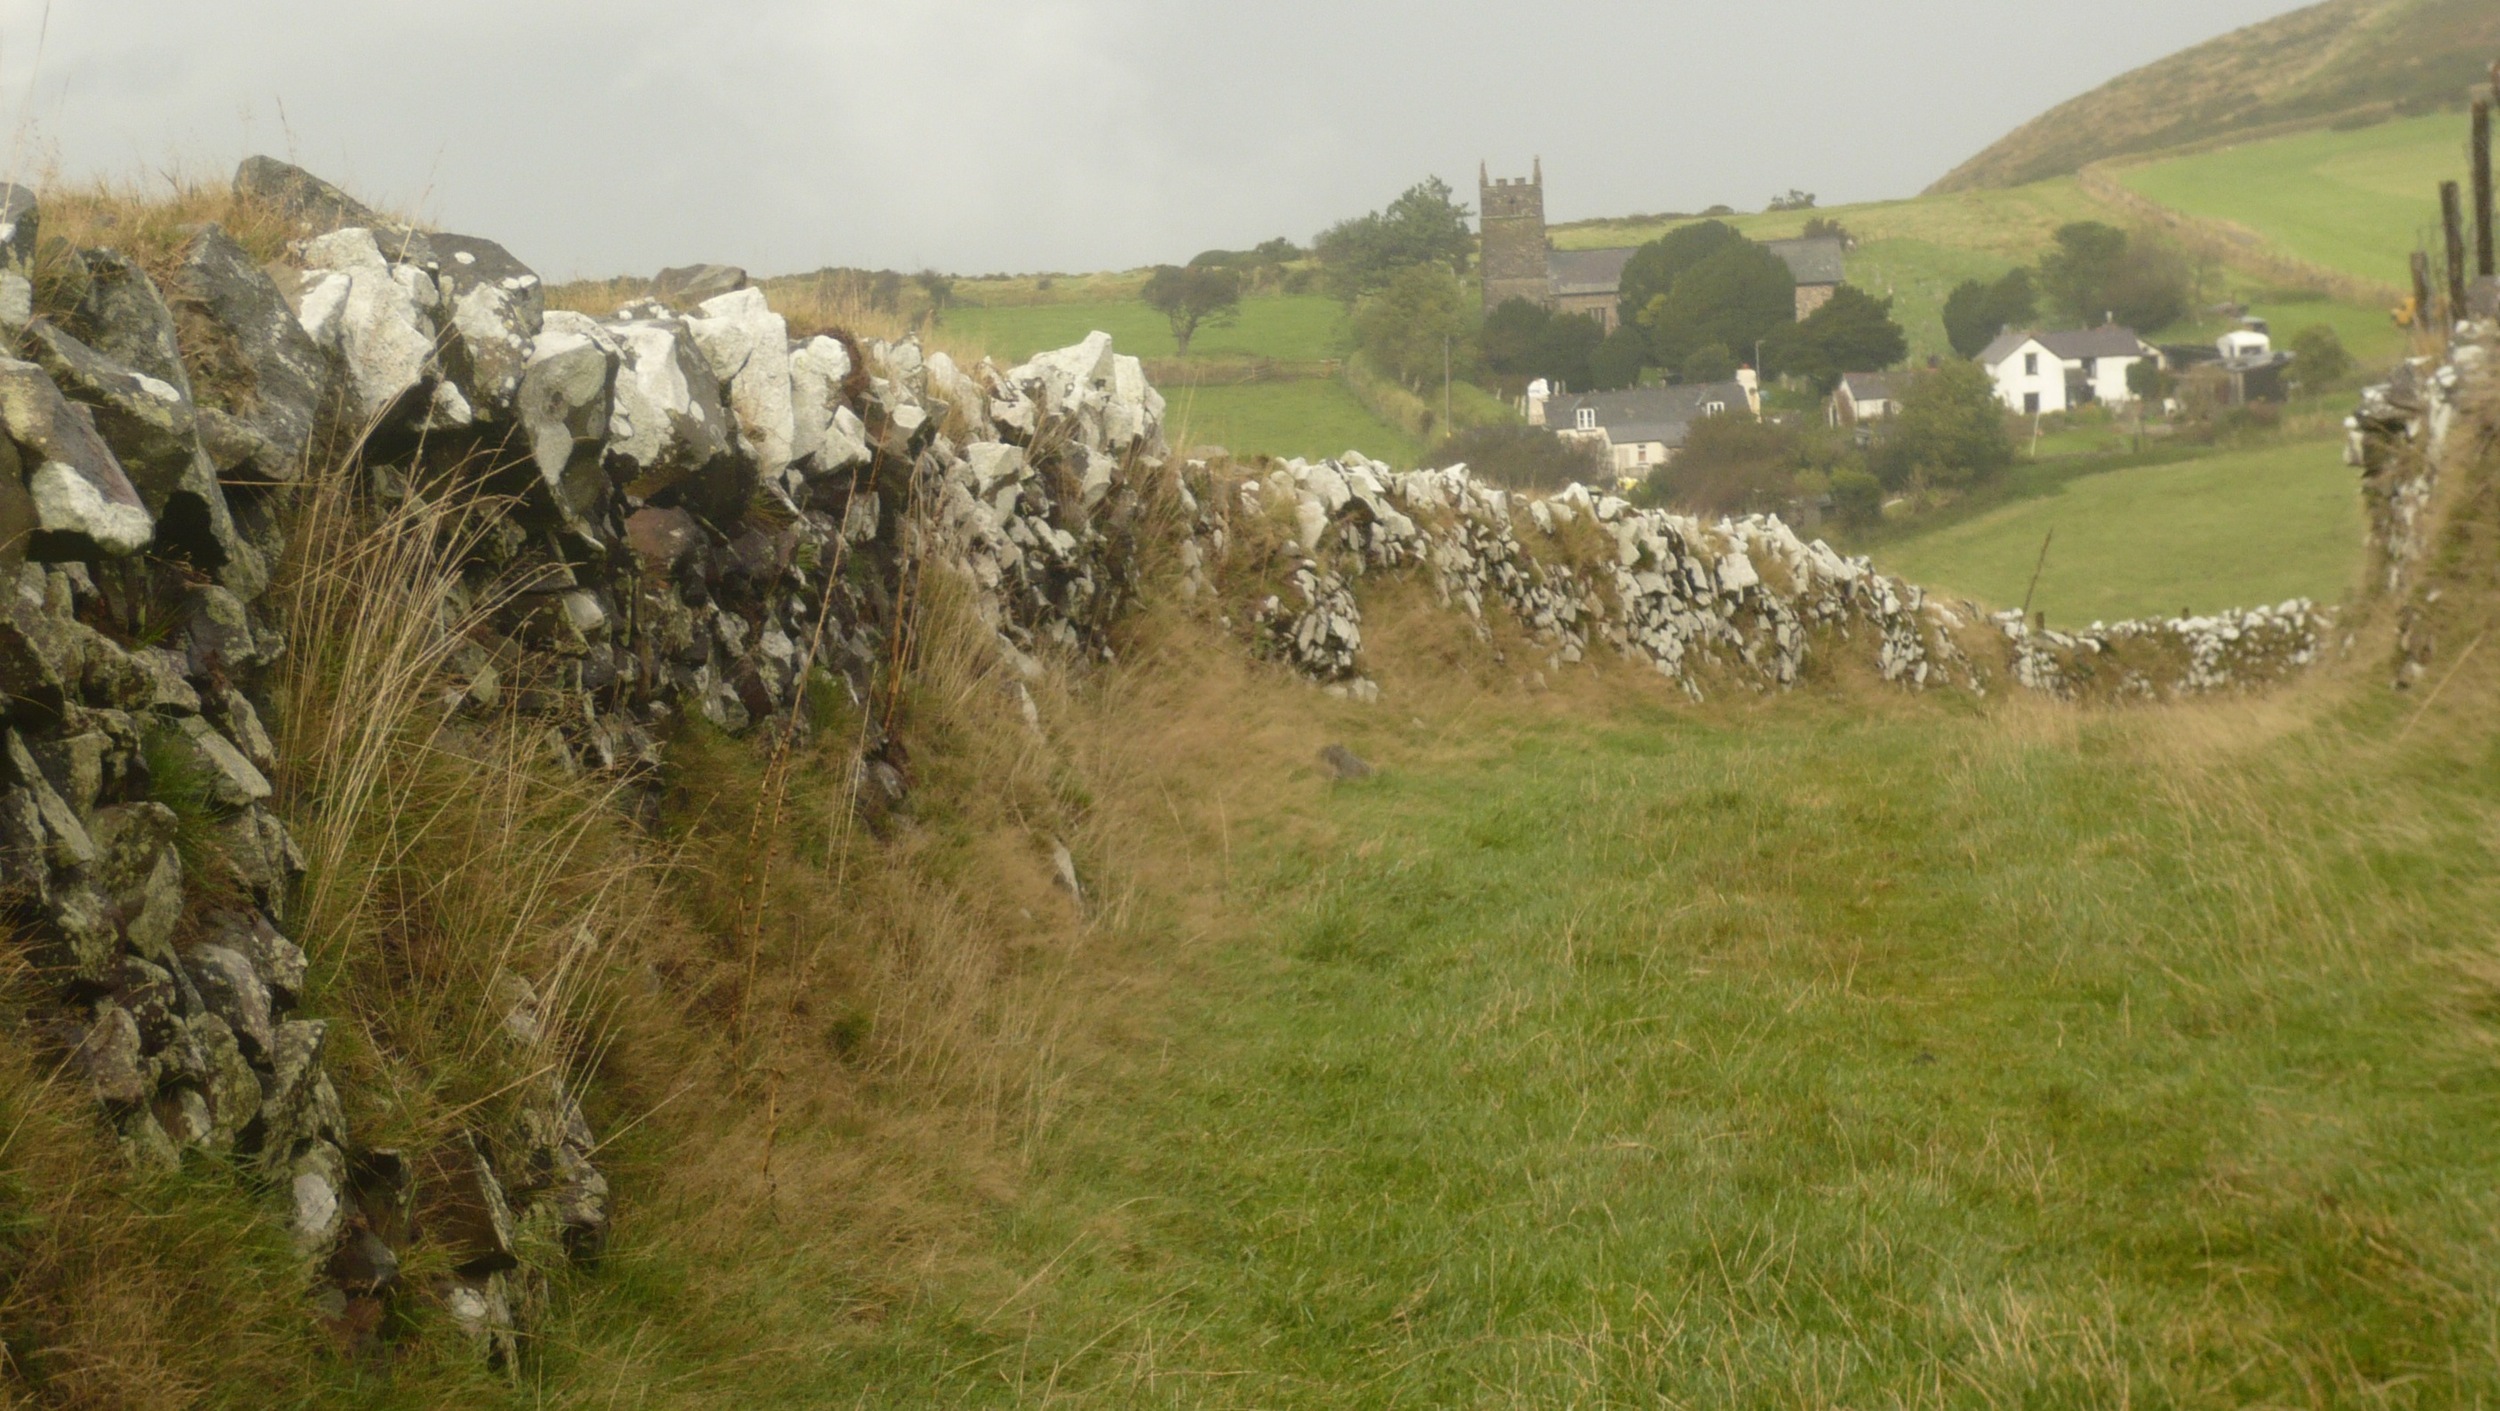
column 2346, row 59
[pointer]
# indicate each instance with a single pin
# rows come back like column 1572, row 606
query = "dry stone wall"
column 2407, row 439
column 700, row 515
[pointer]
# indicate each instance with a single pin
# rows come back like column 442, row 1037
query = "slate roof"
column 1660, row 414
column 1586, row 271
column 1866, row 386
column 1821, row 260
column 2072, row 346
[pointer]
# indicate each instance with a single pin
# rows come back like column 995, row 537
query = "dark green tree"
column 2100, row 272
column 1617, row 362
column 1737, row 297
column 1654, row 268
column 1977, row 310
column 1853, row 332
column 1522, row 341
column 1711, row 362
column 1950, row 432
column 1425, row 226
column 1193, row 297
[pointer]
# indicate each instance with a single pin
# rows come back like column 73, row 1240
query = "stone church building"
column 1520, row 262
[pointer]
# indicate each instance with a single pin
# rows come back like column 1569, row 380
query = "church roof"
column 1586, row 271
column 1821, row 260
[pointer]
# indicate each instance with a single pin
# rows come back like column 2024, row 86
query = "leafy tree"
column 1977, row 311
column 1409, row 327
column 1950, row 431
column 1522, row 341
column 1711, row 362
column 1193, row 297
column 1859, row 498
column 2098, row 271
column 1730, row 464
column 1737, row 297
column 1522, row 457
column 1617, row 362
column 1425, row 226
column 1853, row 332
column 939, row 288
column 1826, row 228
column 2319, row 359
column 1654, row 268
column 1793, row 200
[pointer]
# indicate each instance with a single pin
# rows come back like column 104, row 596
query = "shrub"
column 1521, row 457
column 1729, row 465
column 1859, row 498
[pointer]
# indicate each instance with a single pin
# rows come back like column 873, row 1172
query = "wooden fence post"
column 2452, row 219
column 2425, row 308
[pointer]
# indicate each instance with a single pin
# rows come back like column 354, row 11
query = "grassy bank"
column 2232, row 529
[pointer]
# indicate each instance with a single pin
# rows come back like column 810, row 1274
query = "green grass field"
column 1287, row 327
column 2231, row 530
column 1310, row 418
column 2353, row 201
column 1810, row 1056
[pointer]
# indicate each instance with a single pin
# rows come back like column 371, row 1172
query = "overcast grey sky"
column 609, row 136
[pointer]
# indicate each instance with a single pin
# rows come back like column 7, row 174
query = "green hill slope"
column 2308, row 68
column 2356, row 201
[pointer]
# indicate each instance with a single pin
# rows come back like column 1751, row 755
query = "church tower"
column 1515, row 251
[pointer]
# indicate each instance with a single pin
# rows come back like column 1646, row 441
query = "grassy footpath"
column 1806, row 1056
column 2229, row 530
column 2354, row 201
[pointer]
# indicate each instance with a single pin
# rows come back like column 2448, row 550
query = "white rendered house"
column 2055, row 372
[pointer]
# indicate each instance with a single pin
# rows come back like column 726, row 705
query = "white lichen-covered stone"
column 748, row 347
column 666, row 421
column 376, row 317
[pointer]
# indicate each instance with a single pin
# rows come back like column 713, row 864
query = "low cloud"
column 606, row 136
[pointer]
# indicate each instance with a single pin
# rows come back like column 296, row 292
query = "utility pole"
column 1445, row 386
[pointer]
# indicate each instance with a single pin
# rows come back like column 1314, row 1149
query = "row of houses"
column 2035, row 373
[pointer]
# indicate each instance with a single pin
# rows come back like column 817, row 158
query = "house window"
column 2031, row 364
column 1714, row 408
column 2092, row 368
column 1587, row 419
column 2031, row 404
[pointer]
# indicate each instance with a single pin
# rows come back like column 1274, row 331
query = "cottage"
column 2055, row 372
column 1862, row 397
column 1643, row 428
